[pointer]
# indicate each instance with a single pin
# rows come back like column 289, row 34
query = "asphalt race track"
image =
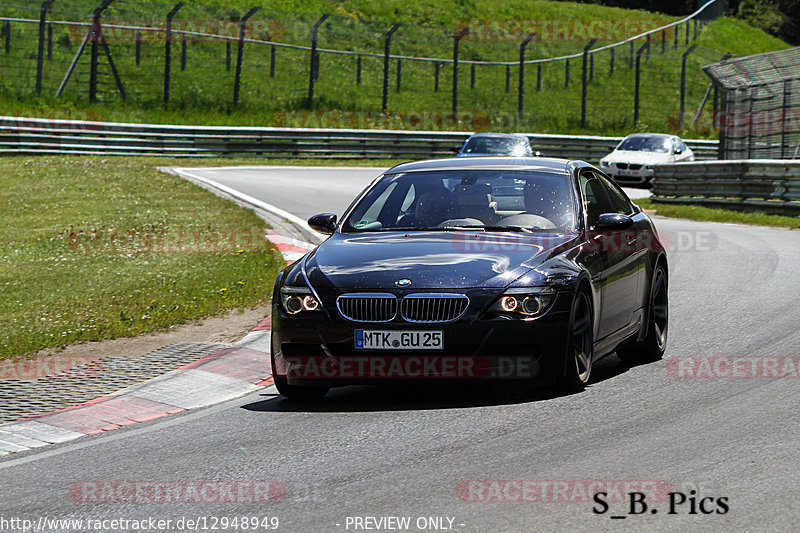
column 456, row 456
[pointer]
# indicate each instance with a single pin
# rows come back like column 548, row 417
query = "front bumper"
column 320, row 350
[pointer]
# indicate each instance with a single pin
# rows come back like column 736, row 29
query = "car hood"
column 430, row 259
column 638, row 157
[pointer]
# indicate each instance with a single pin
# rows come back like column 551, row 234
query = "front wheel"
column 580, row 347
column 655, row 343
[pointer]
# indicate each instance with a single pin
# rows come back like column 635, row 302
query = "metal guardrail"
column 20, row 135
column 771, row 185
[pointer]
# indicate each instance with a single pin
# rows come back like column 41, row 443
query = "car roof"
column 542, row 164
column 667, row 135
column 499, row 135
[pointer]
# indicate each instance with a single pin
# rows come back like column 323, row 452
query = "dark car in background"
column 474, row 268
column 496, row 144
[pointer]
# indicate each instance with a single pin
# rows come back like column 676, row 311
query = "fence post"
column 538, row 77
column 683, row 83
column 677, row 31
column 168, row 50
column 40, row 56
column 8, row 36
column 694, row 32
column 399, row 73
column 584, row 80
column 663, row 41
column 237, row 81
column 591, row 67
column 508, row 78
column 636, row 89
column 647, row 57
column 456, row 39
column 611, row 64
column 96, row 31
column 49, row 42
column 687, row 32
column 138, row 47
column 312, row 74
column 708, row 92
column 228, row 56
column 436, row 68
column 272, row 61
column 387, row 44
column 183, row 52
column 566, row 73
column 358, row 70
column 521, row 88
column 630, row 61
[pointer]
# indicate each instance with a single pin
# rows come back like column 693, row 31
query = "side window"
column 595, row 200
column 617, row 198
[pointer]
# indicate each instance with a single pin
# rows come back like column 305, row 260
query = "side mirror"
column 323, row 223
column 613, row 221
column 455, row 149
column 677, row 151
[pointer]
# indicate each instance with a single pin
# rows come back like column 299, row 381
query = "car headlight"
column 528, row 302
column 605, row 164
column 298, row 299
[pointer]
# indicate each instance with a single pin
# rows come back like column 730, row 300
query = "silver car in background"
column 631, row 162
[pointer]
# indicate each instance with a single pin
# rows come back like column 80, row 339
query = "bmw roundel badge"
column 405, row 282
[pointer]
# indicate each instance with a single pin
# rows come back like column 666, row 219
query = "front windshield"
column 502, row 200
column 645, row 144
column 497, row 146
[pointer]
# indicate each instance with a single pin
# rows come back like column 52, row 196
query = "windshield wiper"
column 490, row 228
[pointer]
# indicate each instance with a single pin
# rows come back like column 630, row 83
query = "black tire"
column 296, row 392
column 580, row 346
column 655, row 343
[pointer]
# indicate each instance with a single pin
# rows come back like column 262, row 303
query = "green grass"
column 716, row 214
column 58, row 290
column 202, row 93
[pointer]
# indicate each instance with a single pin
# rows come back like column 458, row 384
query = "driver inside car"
column 431, row 209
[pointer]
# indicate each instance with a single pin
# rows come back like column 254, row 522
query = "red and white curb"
column 290, row 249
column 224, row 375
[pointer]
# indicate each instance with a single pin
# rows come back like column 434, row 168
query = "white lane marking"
column 41, row 431
column 294, row 219
column 135, row 430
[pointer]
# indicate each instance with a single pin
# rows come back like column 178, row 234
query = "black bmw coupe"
column 519, row 269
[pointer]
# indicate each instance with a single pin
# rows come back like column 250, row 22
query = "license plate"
column 399, row 340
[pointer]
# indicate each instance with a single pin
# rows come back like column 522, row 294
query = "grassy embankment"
column 97, row 248
column 202, row 93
